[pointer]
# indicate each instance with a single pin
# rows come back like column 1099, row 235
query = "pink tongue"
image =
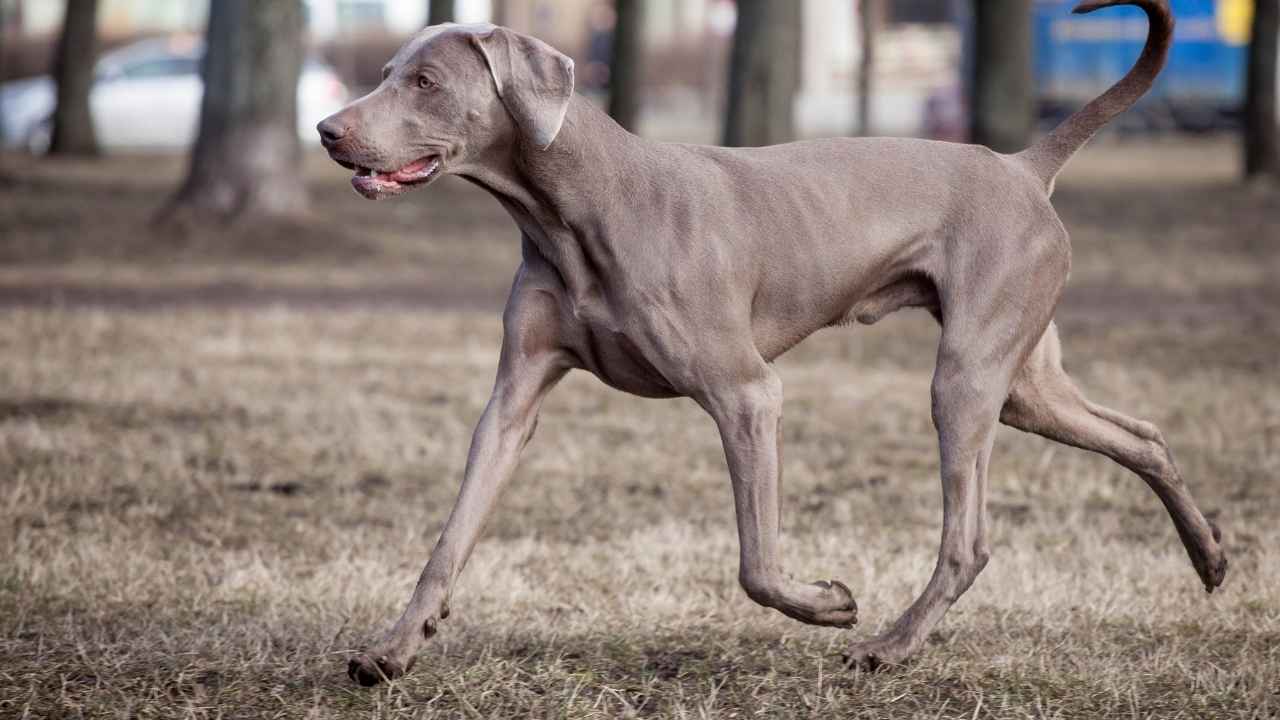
column 414, row 167
column 407, row 172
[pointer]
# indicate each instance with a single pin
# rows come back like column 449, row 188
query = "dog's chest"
column 621, row 354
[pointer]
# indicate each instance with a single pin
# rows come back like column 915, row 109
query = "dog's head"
column 451, row 96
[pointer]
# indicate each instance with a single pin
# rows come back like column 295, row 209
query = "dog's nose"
column 331, row 131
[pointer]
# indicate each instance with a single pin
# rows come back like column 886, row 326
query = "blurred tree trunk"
column 870, row 18
column 1262, row 125
column 625, row 64
column 1003, row 101
column 501, row 12
column 764, row 70
column 441, row 11
column 73, row 63
column 247, row 159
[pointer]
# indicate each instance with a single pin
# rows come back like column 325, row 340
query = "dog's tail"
column 1048, row 156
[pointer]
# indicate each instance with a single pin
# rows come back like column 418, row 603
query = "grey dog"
column 671, row 270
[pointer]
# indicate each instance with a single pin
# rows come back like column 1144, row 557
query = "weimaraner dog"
column 672, row 270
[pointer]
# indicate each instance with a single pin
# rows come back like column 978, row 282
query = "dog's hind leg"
column 1045, row 401
column 749, row 416
column 992, row 316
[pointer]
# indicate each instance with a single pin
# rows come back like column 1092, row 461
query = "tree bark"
column 764, row 70
column 441, row 11
column 73, row 65
column 625, row 64
column 1003, row 100
column 1262, row 125
column 870, row 17
column 247, row 159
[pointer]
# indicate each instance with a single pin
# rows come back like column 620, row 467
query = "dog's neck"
column 556, row 195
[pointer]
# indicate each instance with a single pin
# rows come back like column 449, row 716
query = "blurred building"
column 330, row 18
column 115, row 17
column 1201, row 88
column 326, row 17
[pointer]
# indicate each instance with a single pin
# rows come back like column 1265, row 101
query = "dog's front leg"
column 749, row 416
column 508, row 421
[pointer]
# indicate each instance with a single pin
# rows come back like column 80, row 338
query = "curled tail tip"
column 1089, row 6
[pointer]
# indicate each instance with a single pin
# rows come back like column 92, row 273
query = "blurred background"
column 900, row 67
column 236, row 398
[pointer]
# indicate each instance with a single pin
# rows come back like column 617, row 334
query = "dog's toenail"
column 846, row 590
column 429, row 627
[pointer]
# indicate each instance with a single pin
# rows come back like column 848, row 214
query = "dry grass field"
column 226, row 452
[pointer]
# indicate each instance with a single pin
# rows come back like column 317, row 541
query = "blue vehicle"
column 1077, row 57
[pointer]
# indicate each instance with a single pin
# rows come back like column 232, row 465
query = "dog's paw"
column 822, row 603
column 368, row 670
column 841, row 610
column 874, row 655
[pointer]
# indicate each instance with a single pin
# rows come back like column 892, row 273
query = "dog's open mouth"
column 375, row 185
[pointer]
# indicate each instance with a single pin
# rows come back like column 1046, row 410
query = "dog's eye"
column 426, row 83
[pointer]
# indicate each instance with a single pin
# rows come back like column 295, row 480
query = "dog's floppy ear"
column 534, row 81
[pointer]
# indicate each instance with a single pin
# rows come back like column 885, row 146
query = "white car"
column 147, row 96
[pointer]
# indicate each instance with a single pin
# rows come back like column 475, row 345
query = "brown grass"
column 209, row 500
